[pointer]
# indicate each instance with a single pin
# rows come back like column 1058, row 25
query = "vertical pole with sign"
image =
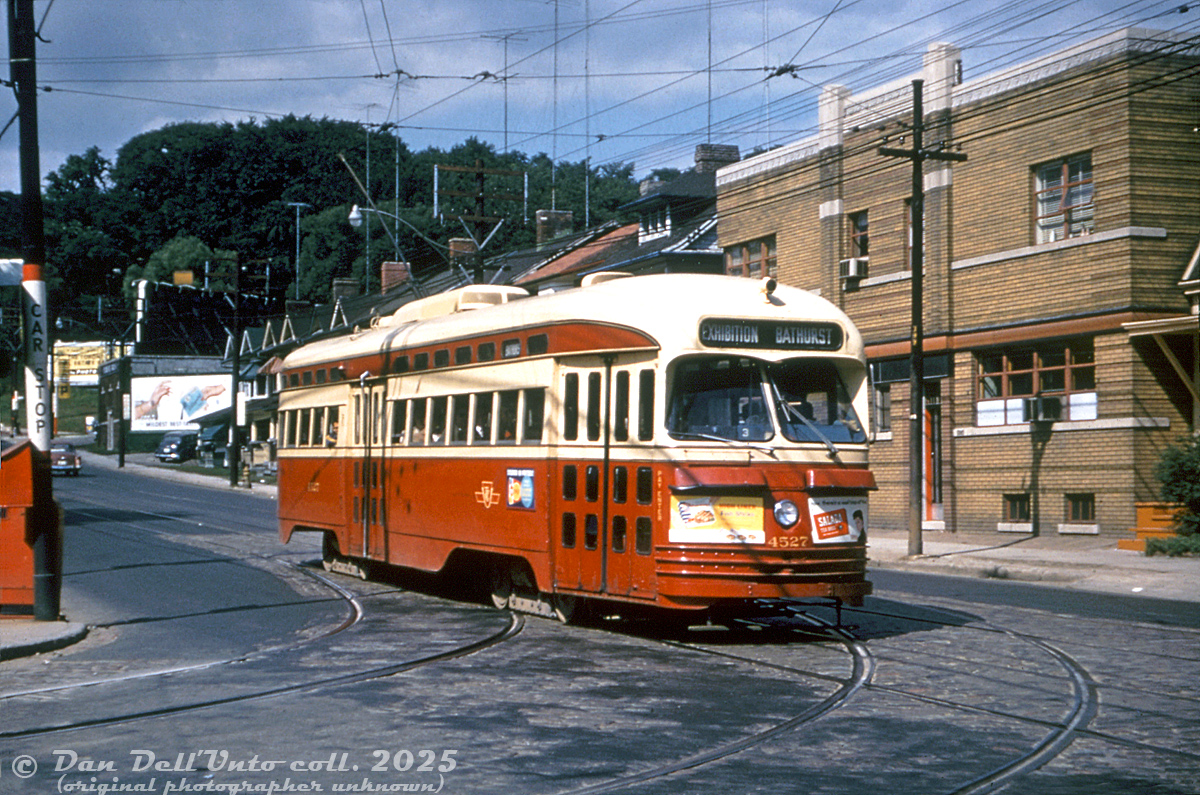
column 47, row 542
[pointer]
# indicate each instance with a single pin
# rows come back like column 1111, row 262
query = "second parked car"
column 176, row 446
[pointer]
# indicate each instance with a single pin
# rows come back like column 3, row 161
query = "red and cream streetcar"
column 679, row 441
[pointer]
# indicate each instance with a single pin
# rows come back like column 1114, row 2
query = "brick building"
column 1060, row 279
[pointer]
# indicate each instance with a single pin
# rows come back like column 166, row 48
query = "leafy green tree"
column 1178, row 470
column 186, row 253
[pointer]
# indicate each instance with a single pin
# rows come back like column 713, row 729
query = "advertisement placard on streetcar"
column 837, row 520
column 717, row 520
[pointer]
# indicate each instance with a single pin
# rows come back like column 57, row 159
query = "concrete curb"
column 23, row 638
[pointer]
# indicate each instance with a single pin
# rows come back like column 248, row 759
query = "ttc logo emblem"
column 488, row 495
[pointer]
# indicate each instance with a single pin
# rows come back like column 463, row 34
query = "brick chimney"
column 392, row 275
column 710, row 157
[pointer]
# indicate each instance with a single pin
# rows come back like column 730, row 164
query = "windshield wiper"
column 711, row 437
column 788, row 408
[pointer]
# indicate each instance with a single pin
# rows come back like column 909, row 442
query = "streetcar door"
column 368, row 513
column 595, row 527
column 579, row 561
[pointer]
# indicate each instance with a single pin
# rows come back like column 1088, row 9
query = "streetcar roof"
column 666, row 307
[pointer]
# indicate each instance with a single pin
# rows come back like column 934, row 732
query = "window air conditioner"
column 1043, row 409
column 853, row 268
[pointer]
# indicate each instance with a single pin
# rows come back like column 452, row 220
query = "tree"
column 1178, row 470
column 185, row 253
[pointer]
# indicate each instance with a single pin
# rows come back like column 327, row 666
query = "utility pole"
column 47, row 545
column 298, row 205
column 916, row 386
column 233, row 452
column 479, row 220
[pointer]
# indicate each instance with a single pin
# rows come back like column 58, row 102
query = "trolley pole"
column 916, row 375
column 47, row 544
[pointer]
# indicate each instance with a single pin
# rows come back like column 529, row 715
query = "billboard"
column 177, row 402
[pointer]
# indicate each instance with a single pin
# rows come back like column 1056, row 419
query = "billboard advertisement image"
column 178, row 402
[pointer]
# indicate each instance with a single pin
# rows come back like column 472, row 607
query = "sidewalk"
column 1084, row 563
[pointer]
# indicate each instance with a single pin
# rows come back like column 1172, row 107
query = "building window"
column 1055, row 381
column 755, row 258
column 655, row 224
column 883, row 408
column 1016, row 507
column 859, row 234
column 1065, row 205
column 1081, row 508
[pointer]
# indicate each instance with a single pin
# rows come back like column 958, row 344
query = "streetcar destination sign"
column 718, row 332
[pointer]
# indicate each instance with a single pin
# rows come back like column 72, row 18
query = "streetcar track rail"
column 860, row 677
column 514, row 627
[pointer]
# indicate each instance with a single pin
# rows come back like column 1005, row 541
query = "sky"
column 628, row 81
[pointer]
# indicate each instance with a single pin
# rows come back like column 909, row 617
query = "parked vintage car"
column 177, row 446
column 64, row 459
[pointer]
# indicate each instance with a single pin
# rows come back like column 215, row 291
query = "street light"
column 298, row 205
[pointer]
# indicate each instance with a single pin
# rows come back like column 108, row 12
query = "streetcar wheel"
column 566, row 608
column 502, row 585
column 328, row 551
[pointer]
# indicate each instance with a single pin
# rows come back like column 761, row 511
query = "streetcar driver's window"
column 332, row 423
column 813, row 402
column 719, row 397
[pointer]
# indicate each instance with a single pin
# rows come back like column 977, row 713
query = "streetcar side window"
column 538, row 344
column 421, row 361
column 534, row 413
column 318, row 428
column 620, row 485
column 618, row 533
column 399, row 420
column 332, row 418
column 569, row 482
column 568, row 530
column 593, row 407
column 437, row 420
column 642, row 541
column 418, row 422
column 591, row 483
column 460, row 418
column 483, row 417
column 302, row 439
column 571, row 407
column 506, row 431
column 645, row 486
column 487, row 351
column 591, row 531
column 462, row 354
column 358, row 419
column 646, row 405
column 621, row 410
column 441, row 358
column 376, row 418
column 289, row 429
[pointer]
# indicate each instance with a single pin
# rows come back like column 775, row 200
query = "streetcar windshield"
column 739, row 399
column 719, row 397
column 812, row 402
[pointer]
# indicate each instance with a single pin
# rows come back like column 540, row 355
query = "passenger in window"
column 331, row 434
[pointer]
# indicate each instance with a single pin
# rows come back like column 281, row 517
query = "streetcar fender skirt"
column 698, row 575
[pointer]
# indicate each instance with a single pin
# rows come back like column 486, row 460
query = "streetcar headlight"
column 786, row 513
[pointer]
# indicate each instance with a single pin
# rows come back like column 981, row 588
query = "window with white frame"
column 1051, row 381
column 1065, row 199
